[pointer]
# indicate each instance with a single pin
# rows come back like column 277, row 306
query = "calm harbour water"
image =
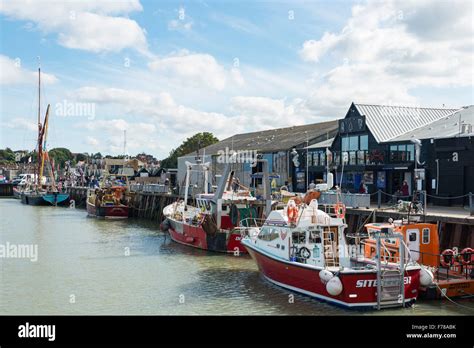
column 85, row 259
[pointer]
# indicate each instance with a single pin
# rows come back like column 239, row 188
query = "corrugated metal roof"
column 321, row 145
column 449, row 126
column 387, row 122
column 273, row 140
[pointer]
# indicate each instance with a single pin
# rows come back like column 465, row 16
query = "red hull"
column 108, row 212
column 196, row 237
column 359, row 289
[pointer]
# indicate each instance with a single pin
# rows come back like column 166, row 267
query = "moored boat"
column 39, row 191
column 214, row 222
column 445, row 273
column 108, row 203
column 304, row 249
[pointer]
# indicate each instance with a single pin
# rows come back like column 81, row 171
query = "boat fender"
column 325, row 276
column 334, row 286
column 189, row 239
column 292, row 211
column 466, row 256
column 447, row 258
column 426, row 277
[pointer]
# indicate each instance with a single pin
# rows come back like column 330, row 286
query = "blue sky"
column 165, row 70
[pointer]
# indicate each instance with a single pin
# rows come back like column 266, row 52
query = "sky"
column 165, row 70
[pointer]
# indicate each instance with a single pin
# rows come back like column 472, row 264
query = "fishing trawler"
column 108, row 201
column 40, row 192
column 305, row 249
column 214, row 222
column 445, row 273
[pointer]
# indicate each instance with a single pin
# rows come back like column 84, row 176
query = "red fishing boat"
column 214, row 222
column 304, row 249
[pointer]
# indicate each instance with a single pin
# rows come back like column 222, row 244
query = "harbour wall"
column 453, row 230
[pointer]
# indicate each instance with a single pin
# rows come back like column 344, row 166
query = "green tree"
column 192, row 144
column 7, row 156
column 61, row 155
column 81, row 157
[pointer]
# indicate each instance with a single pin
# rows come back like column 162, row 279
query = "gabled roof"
column 273, row 140
column 387, row 122
column 447, row 127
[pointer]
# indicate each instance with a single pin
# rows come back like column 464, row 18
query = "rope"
column 457, row 304
column 456, row 197
column 428, row 195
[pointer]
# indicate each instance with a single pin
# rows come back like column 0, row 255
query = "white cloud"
column 176, row 24
column 20, row 123
column 13, row 73
column 266, row 113
column 112, row 134
column 159, row 107
column 92, row 141
column 97, row 26
column 388, row 48
column 196, row 70
column 312, row 50
column 183, row 23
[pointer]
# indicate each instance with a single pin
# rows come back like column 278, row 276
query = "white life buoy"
column 426, row 277
column 334, row 286
column 325, row 276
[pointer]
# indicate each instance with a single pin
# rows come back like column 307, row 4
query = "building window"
column 322, row 156
column 364, row 142
column 316, row 158
column 402, row 153
column 361, row 157
column 426, row 236
column 411, row 152
column 353, row 143
column 352, row 158
column 345, row 143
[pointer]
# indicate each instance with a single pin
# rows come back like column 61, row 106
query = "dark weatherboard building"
column 377, row 144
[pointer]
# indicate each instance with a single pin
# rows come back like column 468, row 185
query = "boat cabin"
column 421, row 239
column 315, row 238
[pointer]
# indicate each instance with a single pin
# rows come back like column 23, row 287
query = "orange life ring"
column 447, row 258
column 466, row 256
column 292, row 212
column 340, row 210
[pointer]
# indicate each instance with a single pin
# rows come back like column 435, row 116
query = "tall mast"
column 37, row 169
column 39, row 95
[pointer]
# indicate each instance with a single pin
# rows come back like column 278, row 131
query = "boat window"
column 412, row 237
column 426, row 236
column 268, row 234
column 315, row 237
column 298, row 237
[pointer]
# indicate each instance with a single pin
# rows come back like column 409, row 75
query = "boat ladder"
column 390, row 281
column 329, row 252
